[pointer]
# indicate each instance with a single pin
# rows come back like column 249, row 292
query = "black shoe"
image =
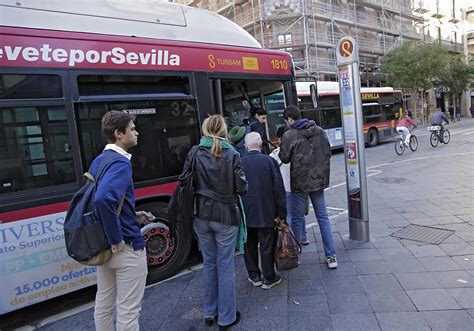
column 209, row 321
column 256, row 281
column 227, row 327
column 268, row 284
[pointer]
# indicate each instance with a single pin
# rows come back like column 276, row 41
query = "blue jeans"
column 217, row 243
column 299, row 203
column 304, row 236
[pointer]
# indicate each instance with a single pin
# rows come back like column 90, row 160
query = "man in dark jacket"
column 258, row 117
column 307, row 147
column 265, row 200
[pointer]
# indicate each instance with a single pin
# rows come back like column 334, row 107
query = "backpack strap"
column 100, row 172
column 120, row 205
column 102, row 167
column 103, row 164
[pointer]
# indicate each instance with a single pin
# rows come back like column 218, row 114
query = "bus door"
column 236, row 97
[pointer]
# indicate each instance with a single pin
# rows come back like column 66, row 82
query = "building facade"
column 311, row 29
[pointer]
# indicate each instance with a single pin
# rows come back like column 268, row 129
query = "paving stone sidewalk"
column 385, row 284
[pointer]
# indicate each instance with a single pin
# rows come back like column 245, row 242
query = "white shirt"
column 284, row 169
column 118, row 149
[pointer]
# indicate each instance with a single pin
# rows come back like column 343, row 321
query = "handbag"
column 181, row 205
column 288, row 248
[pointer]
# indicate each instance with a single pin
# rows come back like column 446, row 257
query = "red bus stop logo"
column 346, row 48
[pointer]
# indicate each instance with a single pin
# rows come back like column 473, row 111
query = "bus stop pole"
column 354, row 142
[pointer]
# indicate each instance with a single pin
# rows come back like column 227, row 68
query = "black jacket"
column 266, row 197
column 218, row 181
column 307, row 147
column 256, row 126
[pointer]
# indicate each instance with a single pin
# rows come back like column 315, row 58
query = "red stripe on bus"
column 166, row 189
column 26, row 213
column 22, row 214
column 380, row 125
column 48, row 49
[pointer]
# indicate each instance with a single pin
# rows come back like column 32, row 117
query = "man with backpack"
column 121, row 280
column 306, row 146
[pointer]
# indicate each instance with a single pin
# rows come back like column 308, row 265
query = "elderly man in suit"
column 265, row 201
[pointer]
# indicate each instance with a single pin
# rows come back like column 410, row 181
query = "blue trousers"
column 217, row 243
column 304, row 236
column 299, row 203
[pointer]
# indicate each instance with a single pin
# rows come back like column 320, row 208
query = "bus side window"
column 167, row 130
column 34, row 140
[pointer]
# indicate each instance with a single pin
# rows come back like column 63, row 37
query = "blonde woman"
column 218, row 180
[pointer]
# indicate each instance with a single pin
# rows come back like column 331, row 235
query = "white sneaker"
column 332, row 262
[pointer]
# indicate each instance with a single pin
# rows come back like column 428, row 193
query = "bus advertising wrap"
column 34, row 264
column 70, row 51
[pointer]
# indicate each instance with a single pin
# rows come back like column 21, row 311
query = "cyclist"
column 438, row 118
column 403, row 124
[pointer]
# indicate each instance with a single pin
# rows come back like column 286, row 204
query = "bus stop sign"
column 352, row 119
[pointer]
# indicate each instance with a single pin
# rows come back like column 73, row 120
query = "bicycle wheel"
column 413, row 143
column 399, row 147
column 434, row 139
column 446, row 136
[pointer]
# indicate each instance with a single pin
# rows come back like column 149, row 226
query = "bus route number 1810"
column 279, row 64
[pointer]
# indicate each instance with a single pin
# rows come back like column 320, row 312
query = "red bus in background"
column 381, row 108
column 60, row 71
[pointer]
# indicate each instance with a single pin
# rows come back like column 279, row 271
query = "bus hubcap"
column 158, row 242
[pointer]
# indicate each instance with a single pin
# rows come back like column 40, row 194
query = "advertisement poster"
column 353, row 181
column 34, row 264
column 347, row 102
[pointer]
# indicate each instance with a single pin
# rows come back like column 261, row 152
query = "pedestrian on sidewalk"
column 236, row 137
column 258, row 117
column 285, row 174
column 307, row 147
column 219, row 179
column 457, row 113
column 120, row 281
column 265, row 201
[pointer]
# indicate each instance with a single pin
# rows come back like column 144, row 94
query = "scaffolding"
column 310, row 29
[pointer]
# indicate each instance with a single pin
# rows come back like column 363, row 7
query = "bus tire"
column 372, row 138
column 173, row 253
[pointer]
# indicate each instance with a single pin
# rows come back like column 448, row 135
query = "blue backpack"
column 83, row 231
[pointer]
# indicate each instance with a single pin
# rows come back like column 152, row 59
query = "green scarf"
column 242, row 233
column 208, row 141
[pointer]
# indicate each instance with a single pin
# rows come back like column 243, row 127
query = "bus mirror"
column 314, row 95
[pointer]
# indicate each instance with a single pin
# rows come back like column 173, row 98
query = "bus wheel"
column 372, row 138
column 166, row 253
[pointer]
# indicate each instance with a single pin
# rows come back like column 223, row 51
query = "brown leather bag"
column 287, row 247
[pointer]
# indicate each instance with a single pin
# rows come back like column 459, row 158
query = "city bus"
column 381, row 108
column 64, row 64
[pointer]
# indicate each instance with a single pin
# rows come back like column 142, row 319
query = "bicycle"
column 400, row 145
column 438, row 134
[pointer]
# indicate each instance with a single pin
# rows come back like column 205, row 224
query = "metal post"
column 347, row 55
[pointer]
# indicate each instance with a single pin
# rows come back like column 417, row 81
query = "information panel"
column 351, row 106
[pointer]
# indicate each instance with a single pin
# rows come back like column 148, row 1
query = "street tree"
column 458, row 76
column 417, row 66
